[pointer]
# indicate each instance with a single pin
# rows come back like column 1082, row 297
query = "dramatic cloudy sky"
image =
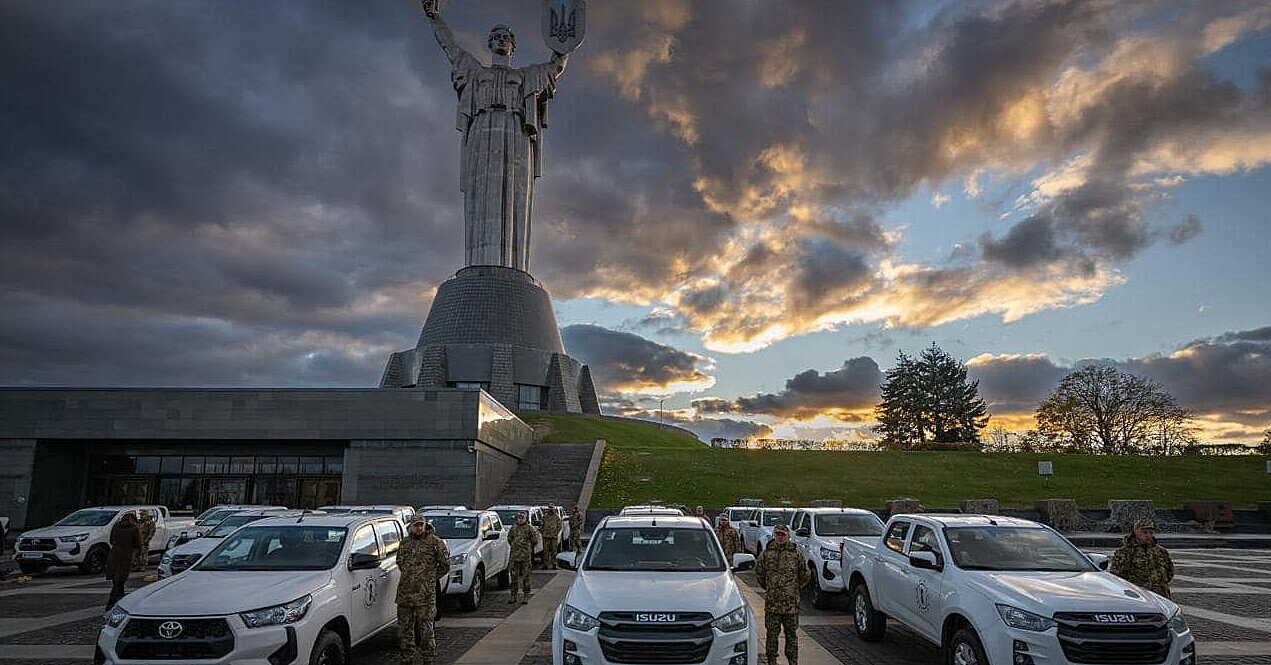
column 747, row 207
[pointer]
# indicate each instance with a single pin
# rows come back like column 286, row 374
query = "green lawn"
column 644, row 463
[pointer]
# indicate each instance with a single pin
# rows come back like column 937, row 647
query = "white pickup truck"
column 478, row 551
column 83, row 538
column 820, row 534
column 996, row 590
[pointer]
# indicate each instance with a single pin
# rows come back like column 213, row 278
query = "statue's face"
column 502, row 42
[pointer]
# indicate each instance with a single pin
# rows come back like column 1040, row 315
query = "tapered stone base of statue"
column 493, row 328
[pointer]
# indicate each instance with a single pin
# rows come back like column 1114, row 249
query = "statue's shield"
column 564, row 24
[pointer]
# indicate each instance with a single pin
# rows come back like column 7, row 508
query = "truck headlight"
column 1017, row 618
column 831, row 555
column 576, row 619
column 1177, row 623
column 115, row 617
column 278, row 614
column 733, row 621
column 458, row 559
column 76, row 538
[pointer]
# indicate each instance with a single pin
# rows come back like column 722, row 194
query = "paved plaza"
column 1226, row 595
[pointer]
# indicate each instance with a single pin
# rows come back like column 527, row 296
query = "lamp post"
column 661, row 400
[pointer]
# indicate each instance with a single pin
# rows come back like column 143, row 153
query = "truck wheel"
column 504, row 579
column 328, row 649
column 965, row 649
column 95, row 560
column 32, row 567
column 870, row 624
column 476, row 591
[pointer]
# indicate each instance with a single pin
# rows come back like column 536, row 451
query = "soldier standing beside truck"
column 576, row 530
column 422, row 559
column 522, row 538
column 782, row 573
column 551, row 537
column 1142, row 561
column 728, row 538
column 142, row 557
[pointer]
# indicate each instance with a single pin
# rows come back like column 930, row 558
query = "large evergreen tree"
column 928, row 399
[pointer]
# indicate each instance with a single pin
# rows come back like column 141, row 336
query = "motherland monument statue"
column 502, row 113
column 491, row 326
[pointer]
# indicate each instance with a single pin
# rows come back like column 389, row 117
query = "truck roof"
column 682, row 521
column 824, row 511
column 955, row 520
column 466, row 512
column 321, row 519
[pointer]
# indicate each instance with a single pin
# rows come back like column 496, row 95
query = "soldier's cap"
column 417, row 518
column 781, row 528
column 1145, row 523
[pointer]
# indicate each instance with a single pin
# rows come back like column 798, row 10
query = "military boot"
column 512, row 601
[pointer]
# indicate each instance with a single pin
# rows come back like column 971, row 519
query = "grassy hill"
column 644, row 462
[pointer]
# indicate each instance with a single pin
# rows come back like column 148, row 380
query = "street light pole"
column 660, row 402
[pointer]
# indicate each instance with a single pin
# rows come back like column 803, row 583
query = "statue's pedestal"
column 493, row 327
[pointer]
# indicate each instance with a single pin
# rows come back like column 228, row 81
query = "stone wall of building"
column 15, row 478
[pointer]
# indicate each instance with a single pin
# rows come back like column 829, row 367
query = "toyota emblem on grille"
column 169, row 630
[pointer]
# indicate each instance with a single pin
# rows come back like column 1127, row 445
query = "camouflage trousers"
column 520, row 570
column 550, row 546
column 139, row 559
column 775, row 622
column 415, row 633
column 576, row 540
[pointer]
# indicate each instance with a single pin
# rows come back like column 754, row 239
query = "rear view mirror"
column 743, row 562
column 362, row 561
column 1099, row 560
column 925, row 560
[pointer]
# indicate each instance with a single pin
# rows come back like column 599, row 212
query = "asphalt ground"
column 1225, row 594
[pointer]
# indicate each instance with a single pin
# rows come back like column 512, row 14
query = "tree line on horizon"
column 929, row 403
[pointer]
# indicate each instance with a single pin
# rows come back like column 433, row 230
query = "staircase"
column 550, row 473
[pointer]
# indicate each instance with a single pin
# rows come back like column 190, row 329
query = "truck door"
column 891, row 571
column 390, row 533
column 364, row 586
column 927, row 587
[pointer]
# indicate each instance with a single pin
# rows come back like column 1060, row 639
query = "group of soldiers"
column 424, row 559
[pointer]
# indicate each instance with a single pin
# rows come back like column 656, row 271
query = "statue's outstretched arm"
column 557, row 63
column 445, row 38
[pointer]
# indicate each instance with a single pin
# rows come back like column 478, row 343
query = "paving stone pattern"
column 83, row 631
column 1258, row 606
column 42, row 605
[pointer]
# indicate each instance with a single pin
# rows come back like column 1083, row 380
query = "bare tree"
column 1100, row 409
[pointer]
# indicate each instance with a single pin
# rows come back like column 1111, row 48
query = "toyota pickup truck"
column 996, row 590
column 83, row 538
column 478, row 552
column 821, row 534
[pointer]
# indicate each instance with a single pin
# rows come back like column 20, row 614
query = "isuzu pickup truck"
column 996, row 590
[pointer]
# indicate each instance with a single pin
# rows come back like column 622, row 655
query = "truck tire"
column 870, row 624
column 95, row 561
column 821, row 599
column 964, row 648
column 32, row 567
column 328, row 649
column 476, row 591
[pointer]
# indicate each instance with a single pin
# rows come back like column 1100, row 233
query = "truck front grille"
column 1087, row 640
column 144, row 639
column 676, row 637
column 37, row 544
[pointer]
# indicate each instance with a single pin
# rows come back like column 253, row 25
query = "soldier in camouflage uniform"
column 522, row 538
column 1141, row 561
column 576, row 530
column 728, row 538
column 142, row 557
column 423, row 559
column 782, row 572
column 551, row 529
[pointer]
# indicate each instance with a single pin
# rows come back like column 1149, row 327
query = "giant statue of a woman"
column 502, row 114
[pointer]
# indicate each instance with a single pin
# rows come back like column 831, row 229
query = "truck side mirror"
column 1099, row 560
column 567, row 560
column 491, row 535
column 803, row 533
column 926, row 560
column 743, row 562
column 363, row 561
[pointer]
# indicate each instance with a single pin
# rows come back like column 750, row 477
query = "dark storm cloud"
column 1028, row 243
column 1015, row 383
column 852, row 387
column 623, row 362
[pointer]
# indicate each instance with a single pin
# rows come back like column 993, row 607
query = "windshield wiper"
column 975, row 567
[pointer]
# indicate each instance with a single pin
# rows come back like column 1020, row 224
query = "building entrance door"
column 222, row 491
column 316, row 492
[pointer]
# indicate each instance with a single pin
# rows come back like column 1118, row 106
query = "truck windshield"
column 849, row 524
column 215, row 516
column 230, row 525
column 278, row 548
column 454, row 526
column 739, row 514
column 508, row 517
column 635, row 549
column 775, row 517
column 1013, row 548
column 88, row 518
